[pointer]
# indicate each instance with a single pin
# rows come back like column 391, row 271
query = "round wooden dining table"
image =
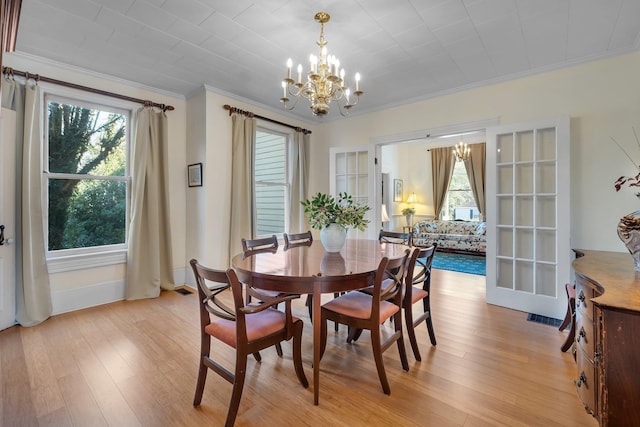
column 312, row 270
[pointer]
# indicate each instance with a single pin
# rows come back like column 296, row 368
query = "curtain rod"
column 250, row 114
column 10, row 71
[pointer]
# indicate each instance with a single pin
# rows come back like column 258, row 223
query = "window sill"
column 85, row 261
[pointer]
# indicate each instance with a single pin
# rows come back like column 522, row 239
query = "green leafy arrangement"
column 408, row 211
column 324, row 209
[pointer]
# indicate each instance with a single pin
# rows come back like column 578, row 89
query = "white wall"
column 603, row 100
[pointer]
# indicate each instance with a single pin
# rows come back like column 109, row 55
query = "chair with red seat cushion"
column 246, row 328
column 360, row 310
column 419, row 273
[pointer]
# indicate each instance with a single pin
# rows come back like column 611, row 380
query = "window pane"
column 270, row 164
column 85, row 213
column 86, row 140
column 270, row 209
column 459, row 203
column 271, row 189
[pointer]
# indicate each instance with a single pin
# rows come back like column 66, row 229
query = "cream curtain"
column 475, row 166
column 243, row 136
column 149, row 258
column 299, row 181
column 442, row 163
column 33, row 291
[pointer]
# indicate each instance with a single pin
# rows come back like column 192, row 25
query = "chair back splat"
column 246, row 328
column 298, row 239
column 254, row 246
column 395, row 237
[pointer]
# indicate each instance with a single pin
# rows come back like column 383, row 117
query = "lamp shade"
column 384, row 217
column 412, row 198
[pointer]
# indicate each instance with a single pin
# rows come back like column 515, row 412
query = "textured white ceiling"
column 405, row 50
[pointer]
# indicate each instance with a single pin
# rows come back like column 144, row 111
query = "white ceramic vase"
column 333, row 237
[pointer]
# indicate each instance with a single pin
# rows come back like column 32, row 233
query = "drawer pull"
column 581, row 334
column 581, row 380
column 581, row 296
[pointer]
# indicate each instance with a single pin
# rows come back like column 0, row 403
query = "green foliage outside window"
column 87, row 186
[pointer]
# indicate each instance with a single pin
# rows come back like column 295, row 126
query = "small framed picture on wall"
column 397, row 190
column 194, row 175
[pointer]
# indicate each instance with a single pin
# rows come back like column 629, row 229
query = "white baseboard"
column 68, row 300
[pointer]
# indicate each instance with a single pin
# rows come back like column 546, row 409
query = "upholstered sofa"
column 455, row 236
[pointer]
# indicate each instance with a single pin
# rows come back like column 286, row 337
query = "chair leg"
column 236, row 394
column 323, row 338
column 376, row 346
column 354, row 334
column 408, row 319
column 202, row 378
column 309, row 304
column 279, row 349
column 400, row 340
column 202, row 370
column 427, row 309
column 297, row 354
column 257, row 356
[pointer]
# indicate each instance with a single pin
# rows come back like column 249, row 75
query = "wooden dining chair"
column 246, row 328
column 304, row 239
column 252, row 247
column 360, row 310
column 297, row 239
column 395, row 237
column 418, row 288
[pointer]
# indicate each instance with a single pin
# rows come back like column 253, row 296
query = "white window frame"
column 97, row 256
column 288, row 135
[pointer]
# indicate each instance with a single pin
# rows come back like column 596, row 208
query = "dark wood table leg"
column 316, row 341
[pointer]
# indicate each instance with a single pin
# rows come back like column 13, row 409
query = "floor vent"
column 544, row 320
column 184, row 291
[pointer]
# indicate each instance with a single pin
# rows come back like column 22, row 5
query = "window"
column 459, row 203
column 271, row 191
column 86, row 148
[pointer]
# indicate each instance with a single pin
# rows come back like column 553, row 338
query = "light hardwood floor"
column 135, row 363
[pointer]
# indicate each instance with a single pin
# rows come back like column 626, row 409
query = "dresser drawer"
column 584, row 294
column 585, row 383
column 585, row 335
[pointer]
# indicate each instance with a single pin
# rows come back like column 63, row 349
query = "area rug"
column 470, row 264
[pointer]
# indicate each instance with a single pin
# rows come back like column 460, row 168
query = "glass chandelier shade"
column 325, row 80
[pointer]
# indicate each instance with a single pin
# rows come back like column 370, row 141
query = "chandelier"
column 461, row 151
column 325, row 80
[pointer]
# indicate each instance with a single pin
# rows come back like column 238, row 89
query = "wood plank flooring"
column 134, row 363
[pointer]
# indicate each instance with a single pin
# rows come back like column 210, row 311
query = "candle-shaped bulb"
column 289, row 64
column 357, row 81
column 299, row 73
column 346, row 94
column 284, row 89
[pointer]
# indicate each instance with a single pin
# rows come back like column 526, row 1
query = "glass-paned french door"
column 528, row 249
column 349, row 172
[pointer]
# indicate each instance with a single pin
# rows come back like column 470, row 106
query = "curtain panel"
column 475, row 166
column 33, row 290
column 299, row 181
column 442, row 164
column 243, row 141
column 149, row 257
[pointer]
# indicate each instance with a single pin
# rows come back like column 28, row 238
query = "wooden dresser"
column 608, row 336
